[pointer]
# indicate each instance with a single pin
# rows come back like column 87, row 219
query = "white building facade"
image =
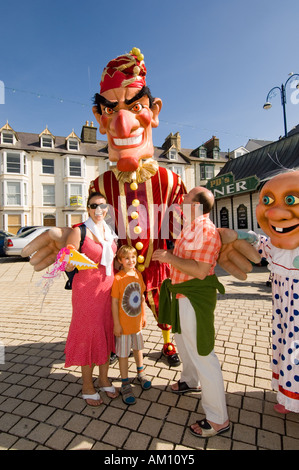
column 45, row 178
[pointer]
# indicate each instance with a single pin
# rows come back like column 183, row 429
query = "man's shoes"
column 170, row 353
column 184, row 388
column 113, row 358
column 207, row 429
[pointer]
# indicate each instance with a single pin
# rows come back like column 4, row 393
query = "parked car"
column 13, row 246
column 24, row 229
column 3, row 235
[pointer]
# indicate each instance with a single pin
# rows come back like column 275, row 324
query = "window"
column 14, row 193
column 13, row 163
column 25, row 193
column 48, row 195
column 13, row 196
column 216, row 153
column 7, row 137
column 75, row 190
column 74, row 194
column 73, row 144
column 202, row 152
column 209, row 172
column 46, row 141
column 206, row 172
column 179, row 170
column 48, row 166
column 172, row 154
column 75, row 167
column 239, row 153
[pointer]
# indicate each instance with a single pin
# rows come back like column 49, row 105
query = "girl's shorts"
column 124, row 343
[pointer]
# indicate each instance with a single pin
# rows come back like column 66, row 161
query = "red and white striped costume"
column 157, row 187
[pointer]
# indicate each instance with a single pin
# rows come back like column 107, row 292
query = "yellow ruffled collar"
column 146, row 170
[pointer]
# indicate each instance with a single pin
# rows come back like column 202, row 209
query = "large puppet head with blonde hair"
column 278, row 210
column 126, row 111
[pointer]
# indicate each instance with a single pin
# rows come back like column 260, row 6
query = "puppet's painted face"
column 128, row 124
column 278, row 210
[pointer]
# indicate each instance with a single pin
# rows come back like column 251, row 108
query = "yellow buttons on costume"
column 134, row 215
column 135, row 202
column 137, row 229
column 134, row 186
column 140, row 258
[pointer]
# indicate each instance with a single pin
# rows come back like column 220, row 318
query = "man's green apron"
column 203, row 297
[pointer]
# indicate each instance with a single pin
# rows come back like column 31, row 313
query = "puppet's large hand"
column 236, row 255
column 44, row 248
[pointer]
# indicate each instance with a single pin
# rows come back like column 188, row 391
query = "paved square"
column 40, row 403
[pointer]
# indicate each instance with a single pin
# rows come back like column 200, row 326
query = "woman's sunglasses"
column 101, row 206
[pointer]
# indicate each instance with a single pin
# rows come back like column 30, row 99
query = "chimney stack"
column 172, row 140
column 89, row 133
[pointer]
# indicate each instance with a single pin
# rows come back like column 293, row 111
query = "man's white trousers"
column 204, row 371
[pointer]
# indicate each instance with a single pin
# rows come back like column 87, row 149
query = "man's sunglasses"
column 101, row 206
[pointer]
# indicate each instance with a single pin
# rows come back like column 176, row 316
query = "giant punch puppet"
column 127, row 113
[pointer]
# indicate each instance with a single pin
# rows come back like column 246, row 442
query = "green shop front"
column 236, row 187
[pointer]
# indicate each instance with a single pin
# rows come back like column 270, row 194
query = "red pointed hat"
column 127, row 70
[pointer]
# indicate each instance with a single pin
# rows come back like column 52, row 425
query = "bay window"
column 74, row 194
column 14, row 193
column 14, row 162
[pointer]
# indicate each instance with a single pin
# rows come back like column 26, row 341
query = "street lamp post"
column 282, row 90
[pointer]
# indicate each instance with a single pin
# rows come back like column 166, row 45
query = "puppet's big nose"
column 123, row 124
column 278, row 213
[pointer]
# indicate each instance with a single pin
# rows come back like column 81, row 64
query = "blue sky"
column 211, row 62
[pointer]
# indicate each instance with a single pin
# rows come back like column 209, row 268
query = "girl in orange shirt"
column 128, row 311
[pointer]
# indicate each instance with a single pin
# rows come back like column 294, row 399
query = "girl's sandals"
column 127, row 394
column 144, row 380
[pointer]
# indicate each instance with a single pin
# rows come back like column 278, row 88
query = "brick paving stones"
column 40, row 404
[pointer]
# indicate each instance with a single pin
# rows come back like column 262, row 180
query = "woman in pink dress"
column 90, row 339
